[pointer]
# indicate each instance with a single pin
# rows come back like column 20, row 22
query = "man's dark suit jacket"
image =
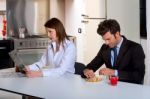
column 130, row 61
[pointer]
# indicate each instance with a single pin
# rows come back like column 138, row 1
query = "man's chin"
column 110, row 46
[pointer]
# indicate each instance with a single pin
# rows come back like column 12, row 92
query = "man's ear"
column 117, row 34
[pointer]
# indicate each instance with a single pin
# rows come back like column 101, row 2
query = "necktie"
column 115, row 56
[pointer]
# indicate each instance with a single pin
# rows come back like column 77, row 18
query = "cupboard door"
column 93, row 41
column 126, row 12
column 96, row 12
column 95, row 8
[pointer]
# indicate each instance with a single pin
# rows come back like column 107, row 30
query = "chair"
column 79, row 67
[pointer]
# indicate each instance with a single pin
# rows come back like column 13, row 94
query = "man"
column 128, row 66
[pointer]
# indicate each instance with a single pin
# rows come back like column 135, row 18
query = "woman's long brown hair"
column 56, row 24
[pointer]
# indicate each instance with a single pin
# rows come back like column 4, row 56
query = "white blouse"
column 60, row 62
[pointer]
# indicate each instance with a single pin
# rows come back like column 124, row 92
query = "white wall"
column 143, row 42
column 127, row 14
column 2, row 4
column 148, row 42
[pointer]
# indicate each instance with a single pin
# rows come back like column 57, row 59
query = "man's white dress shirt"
column 112, row 54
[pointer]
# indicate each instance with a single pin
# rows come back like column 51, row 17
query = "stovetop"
column 31, row 42
column 31, row 36
column 36, row 36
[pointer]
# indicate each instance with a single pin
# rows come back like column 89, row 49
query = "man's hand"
column 107, row 71
column 89, row 73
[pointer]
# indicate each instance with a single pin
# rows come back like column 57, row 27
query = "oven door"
column 29, row 56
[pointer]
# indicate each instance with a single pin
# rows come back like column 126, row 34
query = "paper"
column 15, row 57
column 10, row 73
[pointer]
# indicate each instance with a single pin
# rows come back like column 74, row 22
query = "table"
column 70, row 86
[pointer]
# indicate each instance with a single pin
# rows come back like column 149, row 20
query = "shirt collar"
column 53, row 44
column 119, row 44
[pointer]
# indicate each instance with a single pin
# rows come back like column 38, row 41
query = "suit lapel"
column 108, row 57
column 122, row 51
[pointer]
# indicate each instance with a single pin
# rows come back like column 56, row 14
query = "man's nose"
column 106, row 42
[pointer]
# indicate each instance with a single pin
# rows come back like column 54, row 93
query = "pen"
column 38, row 66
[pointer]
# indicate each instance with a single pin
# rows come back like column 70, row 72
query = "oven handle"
column 31, row 51
column 3, row 48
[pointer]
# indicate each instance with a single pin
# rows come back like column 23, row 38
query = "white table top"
column 72, row 86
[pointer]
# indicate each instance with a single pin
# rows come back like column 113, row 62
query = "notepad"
column 17, row 60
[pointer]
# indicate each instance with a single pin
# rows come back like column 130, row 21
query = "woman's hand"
column 27, row 69
column 32, row 74
column 20, row 68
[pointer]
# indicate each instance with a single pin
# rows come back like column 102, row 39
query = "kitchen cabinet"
column 2, row 4
column 96, row 8
column 57, row 9
column 95, row 12
column 5, row 47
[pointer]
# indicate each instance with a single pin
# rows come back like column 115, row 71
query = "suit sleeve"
column 98, row 61
column 136, row 75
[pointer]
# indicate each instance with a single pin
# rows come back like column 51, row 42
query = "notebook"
column 17, row 60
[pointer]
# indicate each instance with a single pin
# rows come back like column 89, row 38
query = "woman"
column 60, row 55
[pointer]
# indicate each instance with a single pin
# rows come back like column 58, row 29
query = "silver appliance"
column 30, row 50
column 26, row 15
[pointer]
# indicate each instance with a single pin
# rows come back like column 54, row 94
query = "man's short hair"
column 109, row 25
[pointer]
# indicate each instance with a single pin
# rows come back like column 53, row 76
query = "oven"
column 30, row 50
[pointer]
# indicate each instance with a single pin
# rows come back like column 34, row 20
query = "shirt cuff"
column 46, row 73
column 33, row 67
column 116, row 72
